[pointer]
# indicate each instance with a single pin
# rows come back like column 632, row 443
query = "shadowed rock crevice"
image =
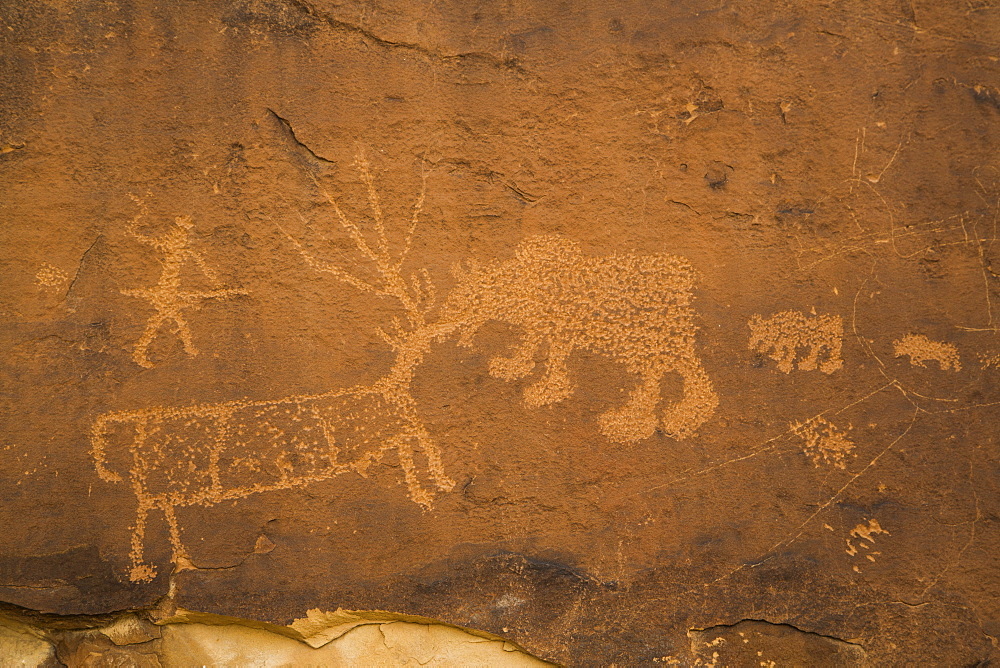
column 759, row 642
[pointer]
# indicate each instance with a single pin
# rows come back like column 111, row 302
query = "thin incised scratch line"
column 826, row 504
column 972, row 538
column 765, row 446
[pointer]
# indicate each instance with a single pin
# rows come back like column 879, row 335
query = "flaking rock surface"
column 633, row 332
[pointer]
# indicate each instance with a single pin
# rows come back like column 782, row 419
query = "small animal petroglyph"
column 706, row 662
column 824, row 443
column 635, row 309
column 166, row 297
column 50, row 277
column 783, row 334
column 990, row 361
column 920, row 349
column 864, row 534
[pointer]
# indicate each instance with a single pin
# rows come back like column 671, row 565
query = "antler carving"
column 416, row 295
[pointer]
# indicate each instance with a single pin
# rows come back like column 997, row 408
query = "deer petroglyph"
column 204, row 454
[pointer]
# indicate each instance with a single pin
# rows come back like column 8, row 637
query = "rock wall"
column 634, row 333
column 182, row 639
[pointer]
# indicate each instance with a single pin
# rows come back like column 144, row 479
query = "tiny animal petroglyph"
column 990, row 361
column 824, row 442
column 864, row 534
column 635, row 309
column 782, row 336
column 920, row 349
column 166, row 297
column 50, row 277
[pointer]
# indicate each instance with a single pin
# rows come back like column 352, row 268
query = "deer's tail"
column 98, row 446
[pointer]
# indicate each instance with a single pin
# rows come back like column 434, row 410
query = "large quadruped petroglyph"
column 633, row 309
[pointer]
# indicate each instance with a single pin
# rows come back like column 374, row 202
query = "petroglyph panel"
column 524, row 320
column 205, row 454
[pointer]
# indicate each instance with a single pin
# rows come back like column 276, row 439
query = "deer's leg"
column 697, row 405
column 520, row 363
column 140, row 571
column 635, row 420
column 434, row 464
column 179, row 555
column 555, row 384
column 405, row 452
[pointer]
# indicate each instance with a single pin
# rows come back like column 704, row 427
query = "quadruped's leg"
column 635, row 420
column 555, row 384
column 179, row 555
column 405, row 452
column 519, row 364
column 140, row 571
column 434, row 464
column 833, row 360
column 811, row 360
column 698, row 404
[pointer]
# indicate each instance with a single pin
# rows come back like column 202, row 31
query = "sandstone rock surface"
column 608, row 329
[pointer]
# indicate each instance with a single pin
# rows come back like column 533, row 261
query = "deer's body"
column 204, row 454
column 208, row 453
column 635, row 309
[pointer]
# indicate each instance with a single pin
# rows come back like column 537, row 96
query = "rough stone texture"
column 181, row 641
column 697, row 322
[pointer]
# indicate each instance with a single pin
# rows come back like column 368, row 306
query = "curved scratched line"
column 762, row 448
column 769, row 554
